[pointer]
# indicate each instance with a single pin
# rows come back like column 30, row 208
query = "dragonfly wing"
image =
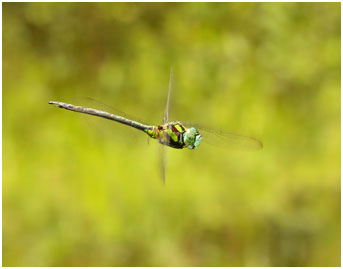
column 163, row 161
column 166, row 111
column 162, row 147
column 93, row 103
column 226, row 140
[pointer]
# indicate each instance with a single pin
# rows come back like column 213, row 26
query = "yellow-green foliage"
column 83, row 191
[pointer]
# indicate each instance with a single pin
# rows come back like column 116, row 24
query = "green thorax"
column 174, row 134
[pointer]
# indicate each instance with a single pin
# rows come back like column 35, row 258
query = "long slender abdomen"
column 102, row 114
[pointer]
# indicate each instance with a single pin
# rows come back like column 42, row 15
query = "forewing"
column 226, row 140
column 166, row 111
column 163, row 143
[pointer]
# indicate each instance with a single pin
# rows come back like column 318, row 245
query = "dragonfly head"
column 192, row 138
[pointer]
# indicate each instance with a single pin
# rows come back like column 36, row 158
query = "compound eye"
column 198, row 140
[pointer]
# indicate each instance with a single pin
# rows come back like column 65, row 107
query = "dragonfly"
column 174, row 134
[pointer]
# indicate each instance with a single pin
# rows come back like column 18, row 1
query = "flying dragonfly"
column 175, row 134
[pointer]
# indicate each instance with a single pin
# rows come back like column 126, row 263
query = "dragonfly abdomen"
column 102, row 114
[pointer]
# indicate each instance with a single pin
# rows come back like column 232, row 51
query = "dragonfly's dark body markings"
column 170, row 134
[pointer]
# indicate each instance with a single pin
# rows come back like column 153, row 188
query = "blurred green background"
column 83, row 191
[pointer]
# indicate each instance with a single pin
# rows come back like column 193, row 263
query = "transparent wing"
column 226, row 140
column 166, row 112
column 93, row 103
column 163, row 161
column 162, row 148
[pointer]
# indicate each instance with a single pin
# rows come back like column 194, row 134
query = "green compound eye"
column 192, row 138
column 198, row 140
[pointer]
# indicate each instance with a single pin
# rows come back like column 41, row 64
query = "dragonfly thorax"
column 176, row 135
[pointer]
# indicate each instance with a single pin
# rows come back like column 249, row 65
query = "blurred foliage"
column 82, row 191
